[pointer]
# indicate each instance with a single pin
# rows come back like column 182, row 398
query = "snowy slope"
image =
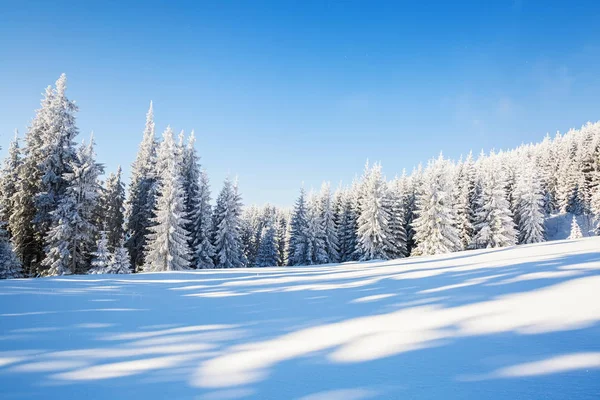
column 511, row 323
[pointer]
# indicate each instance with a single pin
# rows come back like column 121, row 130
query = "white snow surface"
column 510, row 323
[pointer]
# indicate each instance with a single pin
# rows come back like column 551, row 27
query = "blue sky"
column 285, row 92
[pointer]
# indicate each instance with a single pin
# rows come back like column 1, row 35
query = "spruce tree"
column 495, row 226
column 315, row 231
column 10, row 266
column 326, row 214
column 202, row 247
column 71, row 237
column 119, row 260
column 113, row 199
column 227, row 225
column 435, row 227
column 58, row 155
column 281, row 225
column 298, row 247
column 268, row 255
column 347, row 226
column 167, row 246
column 373, row 222
column 9, row 177
column 575, row 230
column 531, row 207
column 101, row 256
column 465, row 201
column 142, row 194
column 395, row 199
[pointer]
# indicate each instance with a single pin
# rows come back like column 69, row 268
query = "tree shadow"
column 456, row 326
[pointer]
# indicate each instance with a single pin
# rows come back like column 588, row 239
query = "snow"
column 510, row 323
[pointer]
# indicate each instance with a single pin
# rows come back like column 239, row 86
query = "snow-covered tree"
column 281, row 225
column 298, row 247
column 373, row 221
column 346, row 222
column 530, row 207
column 202, row 247
column 435, row 226
column 268, row 255
column 197, row 206
column 465, row 200
column 397, row 234
column 227, row 225
column 315, row 233
column 112, row 204
column 167, row 247
column 142, row 194
column 326, row 214
column 575, row 229
column 9, row 177
column 101, row 256
column 71, row 236
column 119, row 260
column 413, row 186
column 59, row 154
column 10, row 266
column 494, row 225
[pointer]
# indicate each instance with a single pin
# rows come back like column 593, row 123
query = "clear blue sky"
column 285, row 92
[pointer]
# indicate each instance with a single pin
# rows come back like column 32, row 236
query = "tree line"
column 58, row 217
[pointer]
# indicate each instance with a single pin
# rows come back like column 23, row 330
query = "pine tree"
column 8, row 181
column 298, row 247
column 112, row 202
column 465, row 201
column 59, row 154
column 531, row 207
column 72, row 233
column 281, row 225
column 191, row 186
column 268, row 255
column 315, row 231
column 29, row 221
column 397, row 240
column 101, row 256
column 204, row 251
column 347, row 226
column 10, row 266
column 495, row 226
column 119, row 260
column 227, row 225
column 575, row 230
column 435, row 226
column 373, row 221
column 167, row 247
column 414, row 184
column 142, row 194
column 325, row 210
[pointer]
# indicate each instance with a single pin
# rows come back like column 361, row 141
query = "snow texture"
column 507, row 323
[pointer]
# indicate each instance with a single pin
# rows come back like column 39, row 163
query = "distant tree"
column 101, row 256
column 373, row 222
column 495, row 226
column 10, row 266
column 112, row 204
column 575, row 229
column 268, row 255
column 9, row 177
column 435, row 226
column 227, row 225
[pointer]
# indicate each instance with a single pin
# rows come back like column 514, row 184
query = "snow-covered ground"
column 510, row 323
